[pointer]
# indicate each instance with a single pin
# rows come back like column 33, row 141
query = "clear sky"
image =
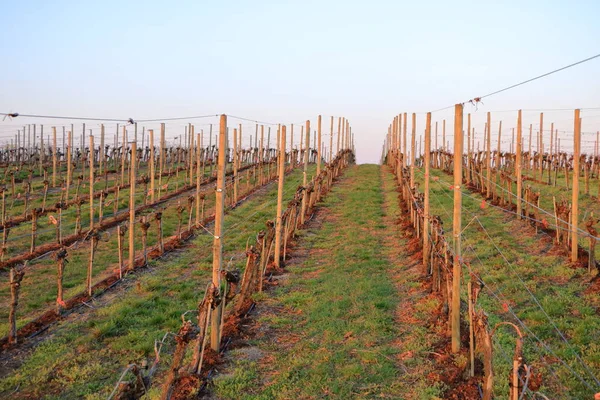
column 287, row 61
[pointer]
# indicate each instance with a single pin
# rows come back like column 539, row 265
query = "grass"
column 83, row 357
column 331, row 328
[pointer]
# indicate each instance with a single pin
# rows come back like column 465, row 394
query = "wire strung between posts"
column 177, row 118
column 14, row 115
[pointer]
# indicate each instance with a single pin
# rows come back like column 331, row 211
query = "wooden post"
column 69, row 163
column 235, row 165
column 278, row 225
column 518, row 171
column 339, row 131
column 469, row 148
column 261, row 156
column 530, row 157
column 215, row 335
column 541, row 149
column 488, row 158
column 436, row 136
column 575, row 199
column 331, row 141
column 161, row 155
column 132, row 179
column 412, row 150
column 457, row 226
column 343, row 133
column 151, row 172
column 54, row 156
column 426, row 194
column 498, row 157
column 551, row 154
column 304, row 178
column 191, row 155
column 405, row 156
column 123, row 155
column 292, row 158
column 319, row 147
column 91, row 158
column 101, row 152
column 198, row 178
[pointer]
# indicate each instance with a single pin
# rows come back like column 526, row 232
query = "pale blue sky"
column 287, row 61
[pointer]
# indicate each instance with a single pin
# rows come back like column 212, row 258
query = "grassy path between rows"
column 349, row 319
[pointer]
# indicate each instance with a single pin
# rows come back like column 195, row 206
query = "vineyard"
column 113, row 243
column 506, row 239
column 256, row 262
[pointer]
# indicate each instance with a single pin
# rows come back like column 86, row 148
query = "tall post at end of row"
column 132, row 179
column 304, row 178
column 278, row 224
column 518, row 159
column 91, row 158
column 319, row 146
column 575, row 199
column 412, row 150
column 426, row 194
column 215, row 335
column 457, row 226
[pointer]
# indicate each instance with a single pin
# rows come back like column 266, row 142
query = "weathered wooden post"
column 575, row 199
column 198, row 178
column 488, row 156
column 541, row 146
column 319, row 147
column 518, row 171
column 426, row 244
column 457, row 226
column 235, row 166
column 412, row 150
column 101, row 153
column 161, row 162
column 91, row 158
column 123, row 155
column 304, row 179
column 215, row 335
column 278, row 226
column 331, row 141
column 469, row 164
column 69, row 164
column 132, row 180
column 551, row 155
column 152, row 173
column 54, row 156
